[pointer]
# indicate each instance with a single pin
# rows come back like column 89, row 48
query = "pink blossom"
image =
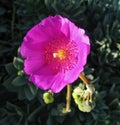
column 55, row 52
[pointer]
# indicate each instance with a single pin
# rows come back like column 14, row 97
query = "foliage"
column 21, row 102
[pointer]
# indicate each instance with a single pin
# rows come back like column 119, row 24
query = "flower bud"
column 20, row 73
column 48, row 97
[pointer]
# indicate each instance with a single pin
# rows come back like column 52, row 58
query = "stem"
column 84, row 79
column 68, row 98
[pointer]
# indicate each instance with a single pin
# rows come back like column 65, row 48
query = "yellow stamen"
column 60, row 54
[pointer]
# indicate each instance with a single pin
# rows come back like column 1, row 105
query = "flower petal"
column 73, row 74
column 73, row 32
column 42, row 82
column 33, row 65
column 58, row 83
column 44, row 78
column 51, row 26
column 31, row 49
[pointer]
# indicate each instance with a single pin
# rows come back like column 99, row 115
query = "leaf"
column 114, row 102
column 48, row 3
column 54, row 7
column 51, row 121
column 33, row 114
column 95, row 116
column 19, row 81
column 72, row 121
column 33, row 88
column 18, row 52
column 10, row 69
column 60, row 119
column 29, row 94
column 18, row 63
column 2, row 112
column 81, row 117
column 112, row 88
column 21, row 94
column 115, row 80
column 80, row 11
column 14, row 114
column 4, row 121
column 10, row 106
column 9, row 86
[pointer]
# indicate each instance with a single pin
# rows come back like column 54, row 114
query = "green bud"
column 20, row 73
column 48, row 97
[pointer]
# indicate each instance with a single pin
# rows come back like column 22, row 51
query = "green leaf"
column 18, row 63
column 21, row 94
column 112, row 88
column 33, row 88
column 72, row 121
column 60, row 119
column 95, row 116
column 9, row 86
column 114, row 102
column 51, row 121
column 18, row 52
column 47, row 3
column 10, row 69
column 81, row 117
column 115, row 80
column 80, row 11
column 19, row 81
column 2, row 112
column 10, row 106
column 29, row 94
column 33, row 114
column 4, row 121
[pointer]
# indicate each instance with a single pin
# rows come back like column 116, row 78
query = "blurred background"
column 22, row 104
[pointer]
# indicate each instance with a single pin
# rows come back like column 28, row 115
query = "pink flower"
column 55, row 52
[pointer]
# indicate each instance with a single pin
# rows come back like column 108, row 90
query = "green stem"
column 68, row 98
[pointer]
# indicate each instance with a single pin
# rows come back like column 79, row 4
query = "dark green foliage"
column 21, row 102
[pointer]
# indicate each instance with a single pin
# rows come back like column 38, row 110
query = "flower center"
column 61, row 56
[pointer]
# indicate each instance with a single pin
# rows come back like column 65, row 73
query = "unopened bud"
column 20, row 73
column 48, row 97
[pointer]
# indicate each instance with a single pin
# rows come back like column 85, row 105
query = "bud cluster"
column 84, row 98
